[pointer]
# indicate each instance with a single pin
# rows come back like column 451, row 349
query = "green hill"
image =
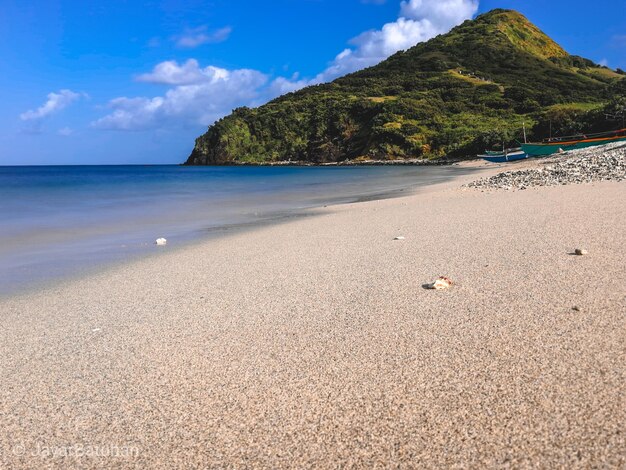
column 456, row 94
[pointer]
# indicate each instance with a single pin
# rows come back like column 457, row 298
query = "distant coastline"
column 396, row 162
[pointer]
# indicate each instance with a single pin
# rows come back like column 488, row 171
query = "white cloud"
column 442, row 14
column 56, row 102
column 171, row 73
column 198, row 36
column 373, row 47
column 198, row 102
column 65, row 131
column 281, row 85
column 604, row 63
column 201, row 95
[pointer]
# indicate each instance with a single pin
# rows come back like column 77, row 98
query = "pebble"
column 161, row 241
column 603, row 163
column 399, row 238
column 581, row 251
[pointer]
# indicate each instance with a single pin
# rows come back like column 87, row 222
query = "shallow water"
column 60, row 220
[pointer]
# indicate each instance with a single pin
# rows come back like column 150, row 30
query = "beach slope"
column 313, row 343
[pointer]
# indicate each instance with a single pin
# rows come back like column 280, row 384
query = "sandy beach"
column 312, row 343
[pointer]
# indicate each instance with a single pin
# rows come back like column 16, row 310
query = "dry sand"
column 313, row 343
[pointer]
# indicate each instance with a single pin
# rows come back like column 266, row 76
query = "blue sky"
column 136, row 81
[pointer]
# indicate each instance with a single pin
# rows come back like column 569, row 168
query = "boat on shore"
column 563, row 144
column 507, row 155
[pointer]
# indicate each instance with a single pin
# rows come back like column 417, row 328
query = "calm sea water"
column 61, row 220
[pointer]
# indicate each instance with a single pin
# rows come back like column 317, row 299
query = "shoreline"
column 313, row 343
column 209, row 232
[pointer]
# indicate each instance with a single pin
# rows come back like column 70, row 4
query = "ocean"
column 58, row 221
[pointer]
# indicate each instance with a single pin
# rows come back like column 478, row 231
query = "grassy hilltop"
column 456, row 94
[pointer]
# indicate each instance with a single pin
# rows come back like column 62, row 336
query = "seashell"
column 580, row 251
column 399, row 238
column 441, row 283
column 161, row 241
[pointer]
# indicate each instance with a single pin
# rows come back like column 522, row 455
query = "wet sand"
column 313, row 344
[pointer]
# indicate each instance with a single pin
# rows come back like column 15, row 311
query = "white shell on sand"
column 441, row 283
column 161, row 241
column 581, row 251
column 399, row 238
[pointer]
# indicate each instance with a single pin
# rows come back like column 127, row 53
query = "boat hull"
column 505, row 158
column 537, row 150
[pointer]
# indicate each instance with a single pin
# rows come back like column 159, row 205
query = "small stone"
column 580, row 251
column 161, row 241
column 399, row 238
column 576, row 308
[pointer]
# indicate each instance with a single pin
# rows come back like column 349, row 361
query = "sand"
column 313, row 344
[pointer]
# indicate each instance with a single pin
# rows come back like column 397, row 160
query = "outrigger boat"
column 504, row 158
column 562, row 144
column 507, row 155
